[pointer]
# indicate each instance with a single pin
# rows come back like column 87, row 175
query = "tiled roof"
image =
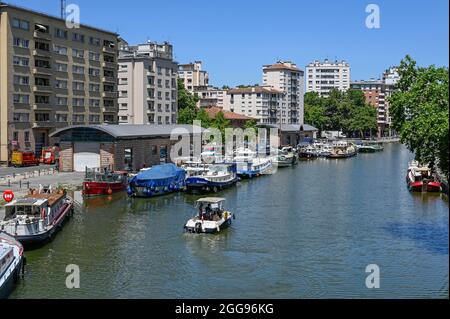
column 281, row 66
column 212, row 112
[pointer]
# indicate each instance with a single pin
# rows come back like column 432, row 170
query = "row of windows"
column 61, row 101
column 46, row 117
column 60, row 33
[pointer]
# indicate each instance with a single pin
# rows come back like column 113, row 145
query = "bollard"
column 9, row 183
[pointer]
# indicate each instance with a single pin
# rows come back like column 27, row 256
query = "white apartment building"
column 322, row 77
column 289, row 79
column 147, row 84
column 390, row 80
column 193, row 76
column 211, row 96
column 260, row 102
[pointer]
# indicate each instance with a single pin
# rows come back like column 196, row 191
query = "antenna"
column 63, row 9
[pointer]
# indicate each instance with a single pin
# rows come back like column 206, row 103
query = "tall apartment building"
column 260, row 102
column 374, row 93
column 322, row 77
column 147, row 84
column 193, row 75
column 377, row 93
column 51, row 77
column 289, row 79
column 211, row 96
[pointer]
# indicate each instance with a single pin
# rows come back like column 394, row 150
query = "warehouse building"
column 118, row 147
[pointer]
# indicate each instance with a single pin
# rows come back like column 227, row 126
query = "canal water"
column 305, row 232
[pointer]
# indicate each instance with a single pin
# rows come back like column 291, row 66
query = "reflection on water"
column 304, row 232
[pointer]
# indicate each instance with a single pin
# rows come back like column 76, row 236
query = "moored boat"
column 157, row 180
column 214, row 179
column 420, row 179
column 343, row 149
column 11, row 262
column 308, row 151
column 369, row 148
column 36, row 217
column 286, row 157
column 104, row 182
column 211, row 216
column 249, row 166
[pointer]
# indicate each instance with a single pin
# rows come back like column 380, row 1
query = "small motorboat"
column 420, row 179
column 214, row 179
column 12, row 262
column 157, row 180
column 286, row 157
column 104, row 182
column 210, row 217
column 36, row 217
column 369, row 148
column 249, row 165
column 343, row 149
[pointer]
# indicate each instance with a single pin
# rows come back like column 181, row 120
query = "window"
column 108, row 73
column 77, row 37
column 78, row 69
column 77, row 53
column 42, row 46
column 42, row 99
column 61, row 117
column 21, row 43
column 21, row 24
column 167, row 108
column 27, row 136
column 94, row 87
column 61, row 84
column 159, row 70
column 109, row 118
column 79, row 86
column 108, row 103
column 94, row 118
column 94, row 102
column 159, row 95
column 108, row 58
column 94, row 41
column 21, row 80
column 122, row 93
column 124, row 118
column 167, row 95
column 167, row 84
column 94, row 56
column 42, row 64
column 15, row 136
column 78, row 118
column 42, row 117
column 94, row 72
column 41, row 81
column 167, row 120
column 61, row 101
column 22, row 61
column 59, row 49
column 62, row 34
column 61, row 67
column 77, row 101
column 21, row 98
column 21, row 117
column 128, row 158
column 154, row 150
column 159, row 83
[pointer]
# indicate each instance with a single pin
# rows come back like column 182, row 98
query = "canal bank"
column 305, row 232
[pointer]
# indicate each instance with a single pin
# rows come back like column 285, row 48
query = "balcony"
column 109, row 79
column 43, row 124
column 110, row 109
column 109, row 65
column 42, row 35
column 42, row 106
column 42, row 53
column 110, row 50
column 42, row 70
column 43, row 88
column 110, row 95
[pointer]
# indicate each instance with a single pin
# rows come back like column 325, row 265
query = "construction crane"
column 63, row 9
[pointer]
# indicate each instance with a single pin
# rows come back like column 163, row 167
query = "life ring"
column 109, row 191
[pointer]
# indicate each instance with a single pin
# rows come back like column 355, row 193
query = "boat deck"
column 52, row 198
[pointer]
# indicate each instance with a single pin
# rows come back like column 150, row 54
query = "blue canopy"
column 159, row 175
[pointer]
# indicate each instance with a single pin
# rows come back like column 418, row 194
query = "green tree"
column 420, row 112
column 220, row 122
column 363, row 119
column 203, row 116
column 187, row 104
column 251, row 124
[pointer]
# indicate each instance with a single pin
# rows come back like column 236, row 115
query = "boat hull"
column 342, row 155
column 201, row 185
column 8, row 286
column 415, row 186
column 210, row 230
column 102, row 188
column 434, row 187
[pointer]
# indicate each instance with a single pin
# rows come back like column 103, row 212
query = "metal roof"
column 136, row 130
column 211, row 200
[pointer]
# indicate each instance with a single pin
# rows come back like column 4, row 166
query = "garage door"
column 86, row 155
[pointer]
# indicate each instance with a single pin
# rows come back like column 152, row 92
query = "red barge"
column 105, row 182
column 420, row 179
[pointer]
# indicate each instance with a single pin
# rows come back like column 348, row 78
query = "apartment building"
column 193, row 75
column 289, row 79
column 322, row 77
column 211, row 96
column 147, row 84
column 262, row 103
column 390, row 79
column 51, row 77
column 374, row 93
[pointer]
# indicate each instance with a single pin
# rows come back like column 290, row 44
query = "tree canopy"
column 420, row 112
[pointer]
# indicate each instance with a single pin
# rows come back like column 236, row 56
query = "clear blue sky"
column 234, row 38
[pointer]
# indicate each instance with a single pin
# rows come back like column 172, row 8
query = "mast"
column 63, row 9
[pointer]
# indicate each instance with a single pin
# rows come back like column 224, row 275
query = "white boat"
column 211, row 216
column 11, row 263
column 34, row 218
column 249, row 165
column 286, row 157
column 214, row 179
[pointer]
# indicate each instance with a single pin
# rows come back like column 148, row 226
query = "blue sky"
column 234, row 38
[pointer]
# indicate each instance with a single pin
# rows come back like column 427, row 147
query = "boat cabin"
column 27, row 207
column 6, row 257
column 210, row 208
